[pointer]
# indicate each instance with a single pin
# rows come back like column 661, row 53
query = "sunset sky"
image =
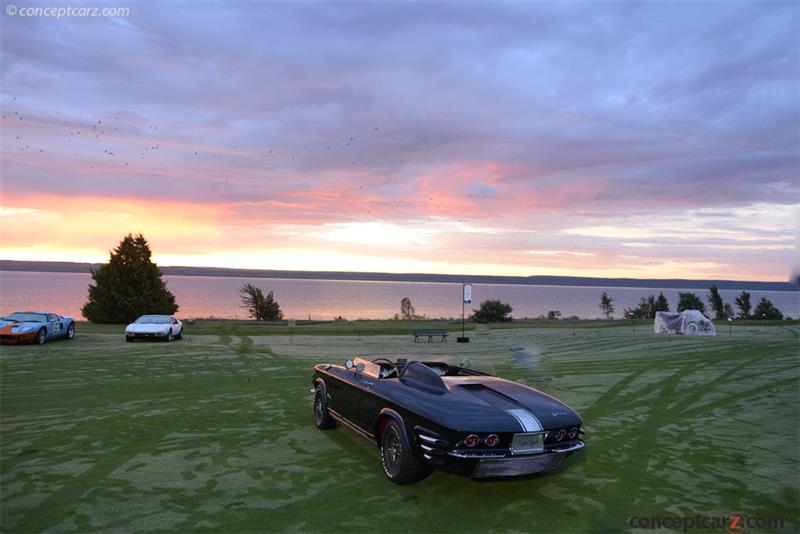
column 644, row 140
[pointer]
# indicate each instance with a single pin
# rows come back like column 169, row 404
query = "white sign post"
column 467, row 290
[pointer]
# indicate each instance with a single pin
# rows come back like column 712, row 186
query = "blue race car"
column 35, row 327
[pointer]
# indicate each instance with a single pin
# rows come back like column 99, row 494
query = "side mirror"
column 349, row 364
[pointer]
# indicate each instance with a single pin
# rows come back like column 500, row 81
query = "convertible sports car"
column 35, row 327
column 162, row 327
column 433, row 414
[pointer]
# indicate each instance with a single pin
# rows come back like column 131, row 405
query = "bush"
column 690, row 301
column 406, row 309
column 766, row 310
column 492, row 311
column 648, row 307
column 128, row 286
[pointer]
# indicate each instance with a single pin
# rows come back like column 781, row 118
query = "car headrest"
column 420, row 376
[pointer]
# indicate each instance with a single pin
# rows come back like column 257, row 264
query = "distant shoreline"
column 72, row 267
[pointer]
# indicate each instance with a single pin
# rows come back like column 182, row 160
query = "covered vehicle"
column 35, row 327
column 425, row 415
column 160, row 327
column 687, row 322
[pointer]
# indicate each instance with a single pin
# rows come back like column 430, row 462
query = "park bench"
column 430, row 333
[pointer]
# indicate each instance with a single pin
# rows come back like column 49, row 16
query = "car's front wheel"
column 169, row 336
column 399, row 463
column 179, row 335
column 322, row 417
column 70, row 331
column 41, row 336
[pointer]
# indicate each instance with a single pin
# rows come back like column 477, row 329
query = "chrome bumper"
column 510, row 466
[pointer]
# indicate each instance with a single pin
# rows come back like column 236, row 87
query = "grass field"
column 215, row 433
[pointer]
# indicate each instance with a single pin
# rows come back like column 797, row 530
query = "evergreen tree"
column 606, row 305
column 728, row 310
column 650, row 308
column 766, row 310
column 272, row 310
column 662, row 304
column 645, row 310
column 744, row 305
column 128, row 286
column 261, row 307
column 690, row 301
column 715, row 300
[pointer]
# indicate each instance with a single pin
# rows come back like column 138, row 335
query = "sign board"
column 467, row 293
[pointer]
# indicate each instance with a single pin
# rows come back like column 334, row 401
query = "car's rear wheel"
column 70, row 331
column 322, row 417
column 399, row 463
column 180, row 334
column 41, row 336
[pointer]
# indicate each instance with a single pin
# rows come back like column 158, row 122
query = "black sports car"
column 433, row 414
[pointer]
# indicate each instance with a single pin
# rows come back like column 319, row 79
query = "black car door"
column 343, row 393
column 370, row 403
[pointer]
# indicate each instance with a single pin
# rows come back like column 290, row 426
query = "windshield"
column 26, row 317
column 481, row 365
column 153, row 319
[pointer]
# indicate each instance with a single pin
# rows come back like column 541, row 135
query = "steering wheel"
column 392, row 367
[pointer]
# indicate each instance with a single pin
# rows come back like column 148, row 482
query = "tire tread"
column 412, row 469
column 327, row 421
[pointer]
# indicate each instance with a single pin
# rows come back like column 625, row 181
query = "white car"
column 161, row 327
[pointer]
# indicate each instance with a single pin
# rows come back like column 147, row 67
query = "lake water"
column 207, row 296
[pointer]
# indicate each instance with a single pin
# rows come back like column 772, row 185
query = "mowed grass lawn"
column 215, row 433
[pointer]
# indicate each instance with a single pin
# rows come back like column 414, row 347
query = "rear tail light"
column 492, row 440
column 573, row 433
column 471, row 440
column 560, row 434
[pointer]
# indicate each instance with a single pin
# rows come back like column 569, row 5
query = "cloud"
column 479, row 190
column 547, row 126
column 558, row 253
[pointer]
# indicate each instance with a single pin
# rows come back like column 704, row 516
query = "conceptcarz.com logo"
column 733, row 523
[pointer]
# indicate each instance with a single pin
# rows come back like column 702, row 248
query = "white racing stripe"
column 526, row 419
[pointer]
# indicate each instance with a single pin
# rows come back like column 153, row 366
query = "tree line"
column 648, row 306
